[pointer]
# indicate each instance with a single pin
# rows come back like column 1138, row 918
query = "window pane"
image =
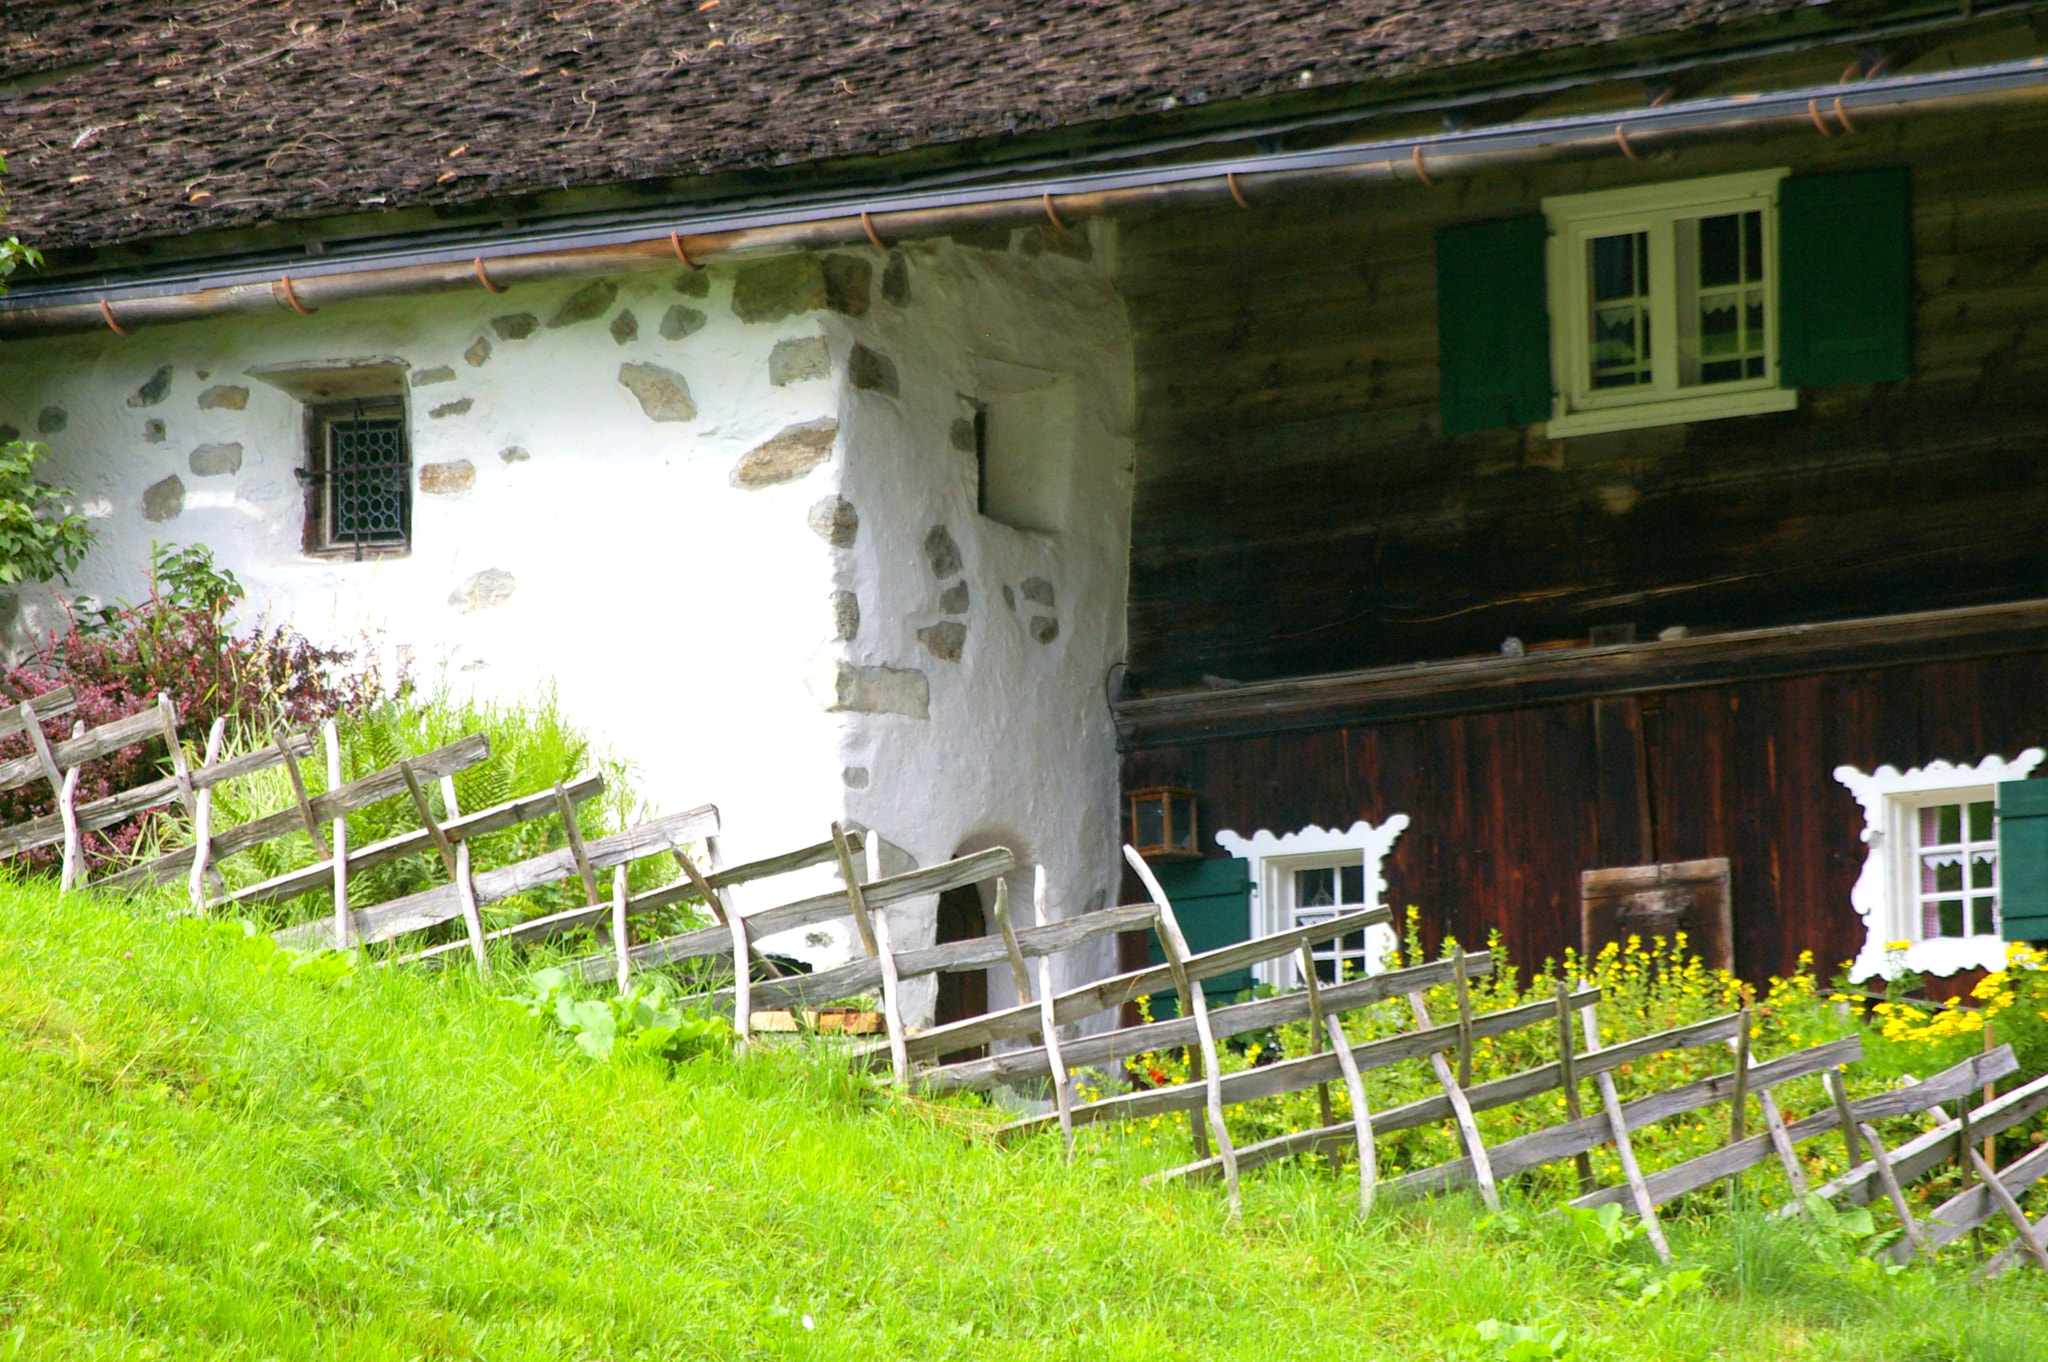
column 1753, row 245
column 1151, row 822
column 1315, row 888
column 1619, row 267
column 1982, row 917
column 1354, row 884
column 1721, row 307
column 1941, row 874
column 1949, row 915
column 1941, row 825
column 1720, row 251
column 1981, row 821
column 368, row 477
column 1983, row 870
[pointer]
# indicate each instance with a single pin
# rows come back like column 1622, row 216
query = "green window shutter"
column 1845, row 279
column 1493, row 324
column 2023, row 860
column 1213, row 902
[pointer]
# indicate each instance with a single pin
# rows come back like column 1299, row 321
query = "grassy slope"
column 202, row 1159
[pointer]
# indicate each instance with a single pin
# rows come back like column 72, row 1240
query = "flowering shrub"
column 179, row 640
column 2012, row 1003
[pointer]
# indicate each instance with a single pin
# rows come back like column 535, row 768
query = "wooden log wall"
column 1298, row 511
column 1508, row 807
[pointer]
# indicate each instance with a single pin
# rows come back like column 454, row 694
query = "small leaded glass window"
column 1956, row 868
column 1319, row 894
column 361, row 479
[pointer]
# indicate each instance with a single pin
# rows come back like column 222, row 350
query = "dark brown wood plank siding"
column 1508, row 807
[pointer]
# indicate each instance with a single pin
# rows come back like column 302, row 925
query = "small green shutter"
column 1493, row 324
column 2023, row 860
column 1845, row 279
column 1213, row 902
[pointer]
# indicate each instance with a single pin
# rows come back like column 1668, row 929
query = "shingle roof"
column 175, row 118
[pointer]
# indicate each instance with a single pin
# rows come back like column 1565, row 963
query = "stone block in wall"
column 479, row 353
column 793, row 452
column 440, row 373
column 587, row 303
column 896, row 280
column 459, row 407
column 153, row 432
column 692, row 284
column 799, row 360
column 447, row 479
column 834, row 520
column 515, row 325
column 945, row 640
column 953, row 600
column 154, row 389
column 164, row 500
column 1073, row 244
column 941, row 552
column 680, row 321
column 483, row 590
column 872, row 371
column 845, row 616
column 769, row 290
column 840, row 686
column 664, row 394
column 52, row 419
column 215, row 460
column 1039, row 590
column 1044, row 628
column 224, row 397
column 849, row 280
column 625, row 327
column 982, row 238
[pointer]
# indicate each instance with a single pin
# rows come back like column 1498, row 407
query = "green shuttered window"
column 1213, row 901
column 1493, row 324
column 1838, row 309
column 2023, row 860
column 1845, row 253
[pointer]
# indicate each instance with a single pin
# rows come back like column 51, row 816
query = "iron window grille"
column 359, row 482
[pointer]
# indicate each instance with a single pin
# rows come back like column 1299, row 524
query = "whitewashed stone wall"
column 727, row 515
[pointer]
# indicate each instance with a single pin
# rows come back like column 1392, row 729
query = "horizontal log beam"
column 1473, row 685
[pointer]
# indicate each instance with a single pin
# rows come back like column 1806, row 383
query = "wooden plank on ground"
column 429, row 907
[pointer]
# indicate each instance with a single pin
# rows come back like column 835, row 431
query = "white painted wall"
column 685, row 620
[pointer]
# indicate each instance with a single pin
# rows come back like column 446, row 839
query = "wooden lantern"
column 1162, row 823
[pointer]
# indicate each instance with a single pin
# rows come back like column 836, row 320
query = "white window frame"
column 1274, row 859
column 1886, row 895
column 1574, row 219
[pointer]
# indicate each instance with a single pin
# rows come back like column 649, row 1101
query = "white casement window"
column 1930, row 877
column 1664, row 303
column 1310, row 876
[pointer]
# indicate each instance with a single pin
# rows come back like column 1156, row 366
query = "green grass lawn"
column 203, row 1155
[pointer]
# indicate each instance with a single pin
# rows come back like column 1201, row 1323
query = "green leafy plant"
column 644, row 1021
column 1501, row 1342
column 40, row 538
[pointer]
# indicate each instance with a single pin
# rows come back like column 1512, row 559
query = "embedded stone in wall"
column 854, row 777
column 483, row 590
column 770, row 290
column 593, row 300
column 514, row 454
column 793, row 452
column 953, row 600
column 625, row 327
column 515, row 325
column 50, row 420
column 944, row 640
column 440, row 373
column 840, row 687
column 164, row 500
column 834, row 520
column 154, row 389
column 848, row 281
column 227, row 397
column 9, row 434
column 876, row 373
column 845, row 615
column 796, row 361
column 982, row 238
column 215, row 460
column 446, row 479
column 664, row 394
column 692, row 284
column 1044, row 629
column 963, row 434
column 680, row 321
column 941, row 552
column 1009, row 597
column 896, row 280
column 152, row 433
column 479, row 353
column 1038, row 590
column 459, row 407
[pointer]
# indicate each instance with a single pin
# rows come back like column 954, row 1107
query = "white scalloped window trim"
column 1273, row 856
column 1888, row 795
